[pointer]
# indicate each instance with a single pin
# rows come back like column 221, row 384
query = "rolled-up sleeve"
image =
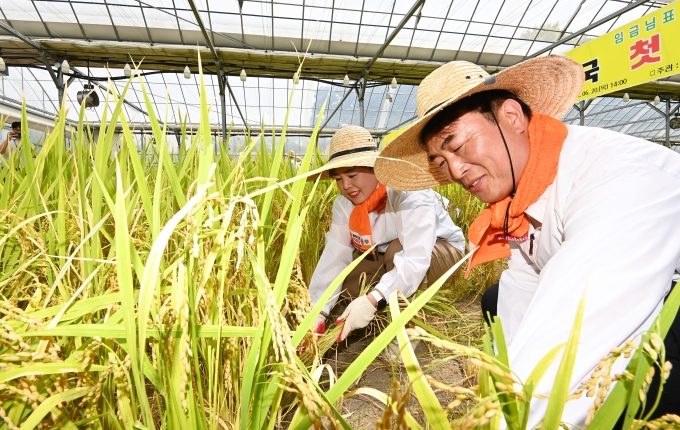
column 336, row 256
column 620, row 247
column 416, row 220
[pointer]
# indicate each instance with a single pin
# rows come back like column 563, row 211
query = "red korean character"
column 643, row 48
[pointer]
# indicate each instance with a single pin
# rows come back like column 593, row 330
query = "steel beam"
column 235, row 129
column 226, row 36
column 586, row 29
column 581, row 107
column 222, row 78
column 347, row 93
column 56, row 77
column 103, row 88
column 364, row 74
column 573, row 16
column 82, row 30
column 113, row 24
column 401, row 124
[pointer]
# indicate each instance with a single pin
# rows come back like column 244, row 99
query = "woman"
column 416, row 240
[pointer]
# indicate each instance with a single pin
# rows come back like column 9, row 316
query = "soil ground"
column 362, row 411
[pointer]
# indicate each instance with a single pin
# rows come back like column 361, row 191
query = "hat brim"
column 548, row 85
column 364, row 159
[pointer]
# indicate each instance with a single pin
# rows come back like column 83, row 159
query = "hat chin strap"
column 512, row 169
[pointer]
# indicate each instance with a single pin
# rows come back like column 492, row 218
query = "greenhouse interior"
column 172, row 252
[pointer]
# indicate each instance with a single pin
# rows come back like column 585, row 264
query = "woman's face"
column 355, row 183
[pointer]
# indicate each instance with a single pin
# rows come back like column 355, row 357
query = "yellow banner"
column 641, row 51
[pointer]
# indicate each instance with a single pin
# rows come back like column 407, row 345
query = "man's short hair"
column 479, row 102
column 16, row 124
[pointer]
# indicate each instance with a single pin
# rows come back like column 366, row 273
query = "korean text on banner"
column 641, row 51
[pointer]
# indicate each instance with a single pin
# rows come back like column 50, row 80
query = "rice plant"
column 153, row 292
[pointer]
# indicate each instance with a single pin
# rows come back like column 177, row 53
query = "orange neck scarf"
column 360, row 231
column 546, row 136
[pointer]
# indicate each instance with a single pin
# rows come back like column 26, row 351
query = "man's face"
column 17, row 132
column 470, row 152
column 355, row 183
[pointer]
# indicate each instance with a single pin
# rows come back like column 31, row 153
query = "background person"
column 577, row 209
column 416, row 239
column 12, row 139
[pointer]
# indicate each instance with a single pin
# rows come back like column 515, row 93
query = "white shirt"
column 416, row 218
column 608, row 225
column 12, row 145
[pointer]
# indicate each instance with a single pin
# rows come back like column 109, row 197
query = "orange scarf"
column 360, row 231
column 546, row 136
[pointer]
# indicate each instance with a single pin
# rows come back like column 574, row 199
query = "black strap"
column 512, row 169
column 353, row 151
column 435, row 107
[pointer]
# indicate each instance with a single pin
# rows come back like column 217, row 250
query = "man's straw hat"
column 549, row 85
column 350, row 146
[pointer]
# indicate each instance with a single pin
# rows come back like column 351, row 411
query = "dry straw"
column 350, row 146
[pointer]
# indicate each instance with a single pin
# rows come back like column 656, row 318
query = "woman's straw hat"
column 549, row 85
column 350, row 146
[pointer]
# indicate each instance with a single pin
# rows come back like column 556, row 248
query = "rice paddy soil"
column 362, row 411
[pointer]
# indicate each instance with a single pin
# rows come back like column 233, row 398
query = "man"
column 12, row 139
column 578, row 210
column 416, row 240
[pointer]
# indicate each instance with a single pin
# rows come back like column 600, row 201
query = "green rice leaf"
column 356, row 369
column 48, row 369
column 560, row 389
column 50, row 403
column 106, row 331
column 428, row 401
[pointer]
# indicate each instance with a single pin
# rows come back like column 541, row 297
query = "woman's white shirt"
column 416, row 218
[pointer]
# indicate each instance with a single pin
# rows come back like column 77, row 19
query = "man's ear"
column 514, row 115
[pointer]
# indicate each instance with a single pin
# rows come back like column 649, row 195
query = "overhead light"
column 88, row 96
column 3, row 67
column 388, row 96
column 657, row 100
column 187, row 72
column 127, row 70
column 296, row 78
column 243, row 75
column 345, row 81
column 393, row 85
column 65, row 68
column 626, row 98
column 674, row 123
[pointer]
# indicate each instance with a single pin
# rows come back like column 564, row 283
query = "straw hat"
column 549, row 85
column 349, row 143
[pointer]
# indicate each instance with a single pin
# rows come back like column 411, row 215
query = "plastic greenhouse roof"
column 262, row 36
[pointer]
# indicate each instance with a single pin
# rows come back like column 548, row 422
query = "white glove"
column 357, row 314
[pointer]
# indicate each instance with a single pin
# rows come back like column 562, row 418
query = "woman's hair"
column 482, row 102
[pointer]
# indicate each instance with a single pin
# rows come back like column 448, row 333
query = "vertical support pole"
column 581, row 112
column 360, row 95
column 668, row 122
column 60, row 83
column 361, row 112
column 223, row 101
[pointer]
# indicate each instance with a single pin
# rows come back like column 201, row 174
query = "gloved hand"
column 319, row 326
column 358, row 314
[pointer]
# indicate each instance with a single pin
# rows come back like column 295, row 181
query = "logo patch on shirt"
column 509, row 238
column 361, row 243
